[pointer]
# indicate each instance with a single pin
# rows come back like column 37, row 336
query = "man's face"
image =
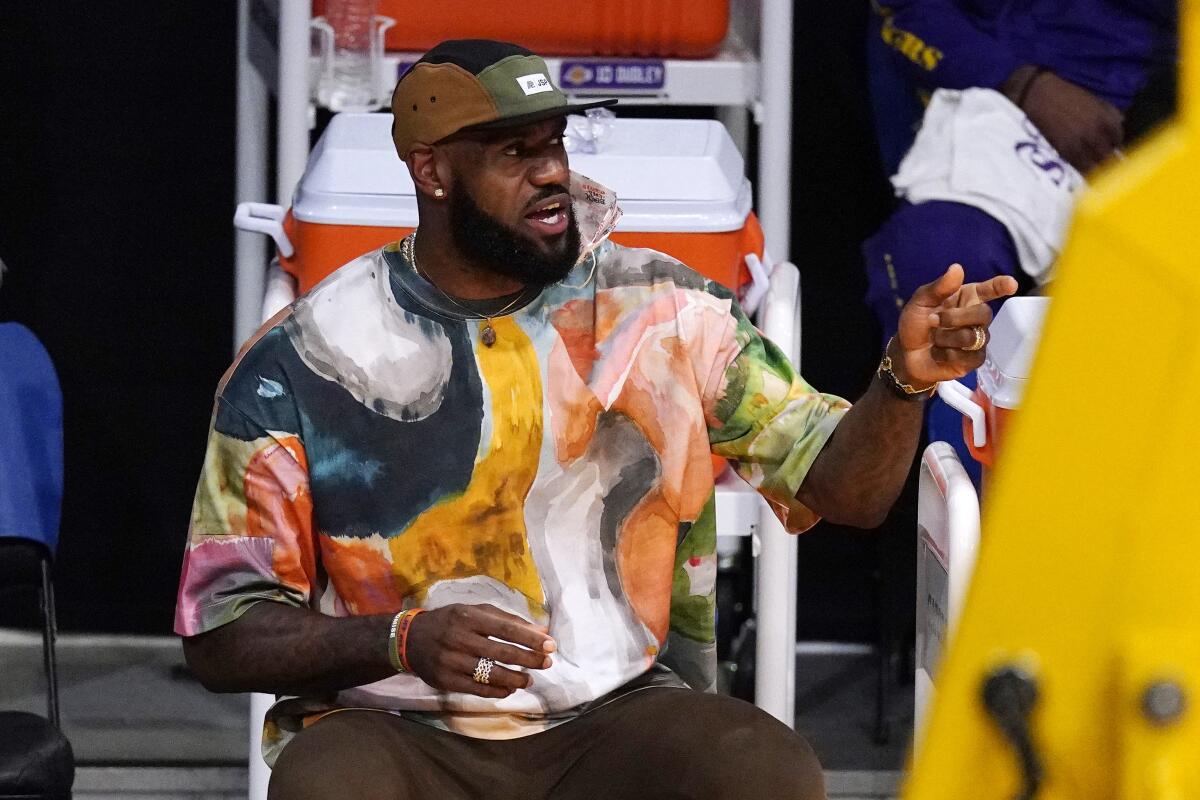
column 509, row 206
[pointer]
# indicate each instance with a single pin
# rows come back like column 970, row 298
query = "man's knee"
column 729, row 748
column 333, row 758
column 751, row 754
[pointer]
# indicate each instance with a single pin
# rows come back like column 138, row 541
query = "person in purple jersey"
column 1073, row 67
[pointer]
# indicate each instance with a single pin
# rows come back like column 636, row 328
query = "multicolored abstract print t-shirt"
column 369, row 453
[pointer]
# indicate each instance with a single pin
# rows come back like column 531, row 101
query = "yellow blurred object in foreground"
column 1089, row 573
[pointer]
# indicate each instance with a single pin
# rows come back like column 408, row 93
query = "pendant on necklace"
column 488, row 334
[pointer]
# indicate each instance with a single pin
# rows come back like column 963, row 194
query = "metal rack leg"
column 775, row 132
column 775, row 646
column 292, row 135
column 49, row 641
column 249, row 252
column 259, row 774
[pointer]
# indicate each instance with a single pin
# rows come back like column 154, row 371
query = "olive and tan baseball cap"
column 474, row 84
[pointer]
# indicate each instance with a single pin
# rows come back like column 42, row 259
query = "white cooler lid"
column 1015, row 335
column 670, row 175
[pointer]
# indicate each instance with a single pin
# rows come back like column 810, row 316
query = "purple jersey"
column 1106, row 46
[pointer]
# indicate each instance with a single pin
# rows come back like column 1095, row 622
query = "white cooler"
column 680, row 184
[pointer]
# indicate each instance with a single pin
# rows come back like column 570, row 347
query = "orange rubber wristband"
column 402, row 635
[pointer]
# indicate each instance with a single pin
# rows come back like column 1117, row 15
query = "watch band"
column 902, row 390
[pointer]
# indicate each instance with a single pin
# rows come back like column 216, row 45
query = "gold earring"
column 439, row 192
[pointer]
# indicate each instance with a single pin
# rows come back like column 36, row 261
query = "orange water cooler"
column 668, row 28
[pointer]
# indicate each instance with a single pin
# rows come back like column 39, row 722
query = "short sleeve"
column 765, row 419
column 251, row 533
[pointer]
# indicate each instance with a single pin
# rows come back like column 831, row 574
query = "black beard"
column 488, row 242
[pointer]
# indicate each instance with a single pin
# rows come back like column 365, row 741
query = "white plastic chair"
column 947, row 545
column 259, row 774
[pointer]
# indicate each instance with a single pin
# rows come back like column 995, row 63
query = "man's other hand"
column 938, row 336
column 1084, row 129
column 445, row 645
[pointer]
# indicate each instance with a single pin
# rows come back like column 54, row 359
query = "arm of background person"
column 940, row 46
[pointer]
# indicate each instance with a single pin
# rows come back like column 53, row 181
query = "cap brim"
column 538, row 116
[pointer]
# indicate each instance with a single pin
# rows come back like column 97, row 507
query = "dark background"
column 116, row 200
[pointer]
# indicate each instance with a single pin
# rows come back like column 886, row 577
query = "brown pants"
column 657, row 743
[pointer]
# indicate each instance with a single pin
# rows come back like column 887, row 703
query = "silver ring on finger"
column 980, row 339
column 483, row 671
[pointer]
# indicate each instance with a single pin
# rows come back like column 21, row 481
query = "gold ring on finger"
column 483, row 671
column 980, row 339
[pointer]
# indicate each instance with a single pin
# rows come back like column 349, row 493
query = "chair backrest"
column 31, row 439
column 947, row 544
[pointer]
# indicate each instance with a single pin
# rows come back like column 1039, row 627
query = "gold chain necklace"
column 487, row 334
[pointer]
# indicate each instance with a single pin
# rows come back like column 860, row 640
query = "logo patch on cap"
column 537, row 82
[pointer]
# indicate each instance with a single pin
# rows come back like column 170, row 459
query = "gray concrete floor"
column 141, row 728
column 836, row 690
column 229, row 783
column 125, row 700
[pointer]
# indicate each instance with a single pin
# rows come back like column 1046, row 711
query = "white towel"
column 977, row 148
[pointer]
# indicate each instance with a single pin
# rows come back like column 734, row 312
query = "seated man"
column 456, row 506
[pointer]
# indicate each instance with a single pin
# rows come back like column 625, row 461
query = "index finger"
column 492, row 621
column 931, row 295
column 994, row 289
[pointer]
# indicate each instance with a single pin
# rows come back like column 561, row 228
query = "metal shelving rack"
column 748, row 81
